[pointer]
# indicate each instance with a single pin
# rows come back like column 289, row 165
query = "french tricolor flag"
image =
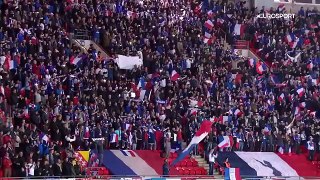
column 261, row 67
column 232, row 174
column 220, row 21
column 174, row 75
column 237, row 112
column 114, row 138
column 12, row 64
column 197, row 10
column 209, row 41
column 281, row 97
column 290, row 38
column 300, row 92
column 239, row 29
column 208, row 24
column 203, row 131
column 294, row 44
column 128, row 153
column 207, row 35
column 225, row 142
column 76, row 60
column 221, row 119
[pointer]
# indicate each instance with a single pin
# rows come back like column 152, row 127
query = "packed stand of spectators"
column 51, row 108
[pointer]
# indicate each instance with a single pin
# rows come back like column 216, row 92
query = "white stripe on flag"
column 232, row 173
column 260, row 161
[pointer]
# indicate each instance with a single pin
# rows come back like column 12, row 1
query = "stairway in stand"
column 241, row 44
column 203, row 163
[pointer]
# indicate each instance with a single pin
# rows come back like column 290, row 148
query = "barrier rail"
column 113, row 177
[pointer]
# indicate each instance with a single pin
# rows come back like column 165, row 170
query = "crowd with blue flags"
column 57, row 98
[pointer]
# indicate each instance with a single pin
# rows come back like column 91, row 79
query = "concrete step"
column 201, row 161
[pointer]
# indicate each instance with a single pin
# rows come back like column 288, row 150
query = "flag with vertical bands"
column 203, row 131
column 232, row 174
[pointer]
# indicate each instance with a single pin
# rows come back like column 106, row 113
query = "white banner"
column 128, row 62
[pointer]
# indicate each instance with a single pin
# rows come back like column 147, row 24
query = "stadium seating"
column 188, row 166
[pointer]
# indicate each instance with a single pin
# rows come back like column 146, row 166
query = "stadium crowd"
column 51, row 108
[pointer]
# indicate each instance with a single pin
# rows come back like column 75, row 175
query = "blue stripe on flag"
column 227, row 173
column 115, row 165
column 183, row 154
column 124, row 153
column 236, row 162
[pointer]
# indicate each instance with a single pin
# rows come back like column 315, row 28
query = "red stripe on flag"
column 132, row 153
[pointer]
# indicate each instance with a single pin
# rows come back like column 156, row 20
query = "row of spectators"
column 51, row 108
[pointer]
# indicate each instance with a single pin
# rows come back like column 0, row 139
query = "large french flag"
column 127, row 162
column 203, row 131
column 258, row 164
column 232, row 174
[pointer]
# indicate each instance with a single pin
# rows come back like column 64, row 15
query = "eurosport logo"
column 275, row 16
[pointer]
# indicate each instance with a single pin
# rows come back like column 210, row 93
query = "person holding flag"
column 203, row 131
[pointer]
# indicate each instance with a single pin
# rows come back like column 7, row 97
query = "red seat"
column 181, row 171
column 189, row 164
column 100, row 172
column 183, row 164
column 195, row 163
column 198, row 172
column 192, row 172
column 204, row 172
column 186, row 172
column 106, row 172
